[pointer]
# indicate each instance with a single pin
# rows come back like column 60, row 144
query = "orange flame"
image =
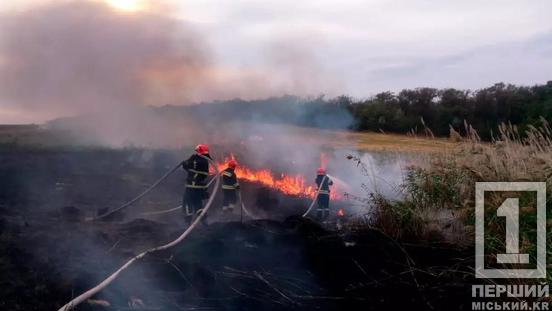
column 288, row 184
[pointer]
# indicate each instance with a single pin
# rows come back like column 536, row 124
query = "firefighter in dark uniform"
column 230, row 187
column 323, row 183
column 197, row 168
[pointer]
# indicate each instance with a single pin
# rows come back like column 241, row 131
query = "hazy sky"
column 384, row 44
column 263, row 48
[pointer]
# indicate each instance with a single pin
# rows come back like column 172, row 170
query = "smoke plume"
column 73, row 57
column 83, row 57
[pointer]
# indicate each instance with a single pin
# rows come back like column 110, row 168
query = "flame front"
column 288, row 184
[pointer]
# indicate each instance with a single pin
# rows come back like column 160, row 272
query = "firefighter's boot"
column 188, row 220
column 326, row 214
column 319, row 214
column 204, row 219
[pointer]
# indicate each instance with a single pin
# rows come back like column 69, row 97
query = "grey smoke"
column 68, row 58
column 82, row 56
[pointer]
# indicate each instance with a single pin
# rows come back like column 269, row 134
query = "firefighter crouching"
column 230, row 187
column 323, row 183
column 196, row 186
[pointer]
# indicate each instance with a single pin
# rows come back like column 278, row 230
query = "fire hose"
column 243, row 209
column 155, row 184
column 166, row 211
column 315, row 196
column 91, row 292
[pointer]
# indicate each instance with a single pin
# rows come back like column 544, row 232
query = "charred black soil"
column 49, row 254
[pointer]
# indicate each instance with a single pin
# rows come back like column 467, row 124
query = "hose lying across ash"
column 170, row 210
column 127, row 204
column 165, row 211
column 243, row 209
column 179, row 207
column 91, row 292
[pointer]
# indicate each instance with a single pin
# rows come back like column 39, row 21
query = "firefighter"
column 197, row 168
column 230, row 187
column 323, row 183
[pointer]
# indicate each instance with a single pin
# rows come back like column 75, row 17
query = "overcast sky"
column 350, row 46
column 379, row 45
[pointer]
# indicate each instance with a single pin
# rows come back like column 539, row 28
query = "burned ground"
column 49, row 254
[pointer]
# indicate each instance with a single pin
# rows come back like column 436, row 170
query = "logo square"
column 510, row 208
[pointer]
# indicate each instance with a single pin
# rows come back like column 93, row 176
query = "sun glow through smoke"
column 126, row 5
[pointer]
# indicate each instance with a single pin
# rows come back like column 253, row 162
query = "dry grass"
column 33, row 135
column 439, row 190
column 510, row 157
column 369, row 141
column 400, row 143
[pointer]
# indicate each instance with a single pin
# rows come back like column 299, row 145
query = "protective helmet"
column 202, row 149
column 232, row 163
column 321, row 171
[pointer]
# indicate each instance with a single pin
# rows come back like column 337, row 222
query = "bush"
column 445, row 182
column 510, row 157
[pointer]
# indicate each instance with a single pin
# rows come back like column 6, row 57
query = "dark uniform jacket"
column 229, row 179
column 198, row 171
column 324, row 187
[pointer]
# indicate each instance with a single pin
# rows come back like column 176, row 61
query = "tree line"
column 396, row 112
column 441, row 109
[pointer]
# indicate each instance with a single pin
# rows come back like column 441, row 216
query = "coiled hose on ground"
column 91, row 292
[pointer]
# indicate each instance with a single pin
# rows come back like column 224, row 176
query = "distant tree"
column 483, row 109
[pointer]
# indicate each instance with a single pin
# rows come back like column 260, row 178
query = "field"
column 396, row 143
column 278, row 261
column 36, row 136
column 285, row 156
